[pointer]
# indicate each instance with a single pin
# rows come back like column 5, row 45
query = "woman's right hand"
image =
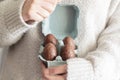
column 54, row 73
column 38, row 10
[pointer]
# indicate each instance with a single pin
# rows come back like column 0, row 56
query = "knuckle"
column 30, row 14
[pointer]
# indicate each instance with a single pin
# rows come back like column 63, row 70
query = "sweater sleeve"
column 104, row 62
column 12, row 25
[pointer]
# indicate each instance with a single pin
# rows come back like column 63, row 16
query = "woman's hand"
column 38, row 10
column 54, row 73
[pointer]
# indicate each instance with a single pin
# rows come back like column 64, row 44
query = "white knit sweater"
column 98, row 40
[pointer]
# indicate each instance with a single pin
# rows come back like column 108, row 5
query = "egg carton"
column 64, row 21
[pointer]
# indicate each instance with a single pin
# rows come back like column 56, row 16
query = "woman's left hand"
column 54, row 73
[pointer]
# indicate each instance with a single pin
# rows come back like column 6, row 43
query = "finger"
column 49, row 9
column 46, row 1
column 58, row 78
column 52, row 1
column 36, row 17
column 45, row 71
column 47, row 6
column 58, row 70
column 43, row 12
column 55, row 77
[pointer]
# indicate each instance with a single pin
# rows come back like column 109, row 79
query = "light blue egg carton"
column 61, row 23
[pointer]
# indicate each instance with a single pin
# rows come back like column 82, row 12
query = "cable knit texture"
column 98, row 42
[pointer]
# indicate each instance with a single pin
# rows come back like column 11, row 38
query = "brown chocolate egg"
column 49, row 52
column 50, row 39
column 69, row 41
column 67, row 52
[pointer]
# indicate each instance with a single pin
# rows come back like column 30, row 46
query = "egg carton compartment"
column 57, row 62
column 62, row 22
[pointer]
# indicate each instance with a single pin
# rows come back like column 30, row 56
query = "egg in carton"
column 64, row 21
column 55, row 53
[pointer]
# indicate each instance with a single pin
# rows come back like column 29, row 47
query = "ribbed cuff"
column 13, row 17
column 79, row 69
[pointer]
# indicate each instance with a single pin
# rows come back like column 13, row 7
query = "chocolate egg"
column 69, row 41
column 67, row 52
column 49, row 52
column 50, row 39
